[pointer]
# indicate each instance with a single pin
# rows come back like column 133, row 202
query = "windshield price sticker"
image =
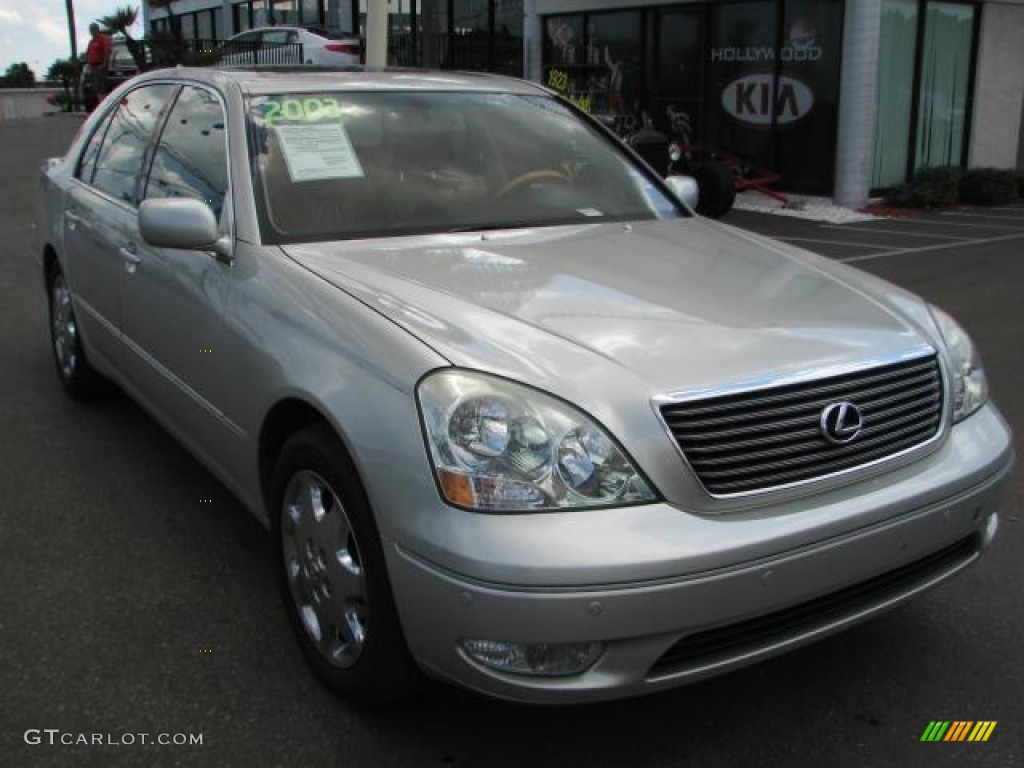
column 315, row 151
column 558, row 80
column 302, row 110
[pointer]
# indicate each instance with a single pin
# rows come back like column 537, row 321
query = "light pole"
column 70, row 5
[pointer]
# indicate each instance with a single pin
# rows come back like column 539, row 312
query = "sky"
column 36, row 32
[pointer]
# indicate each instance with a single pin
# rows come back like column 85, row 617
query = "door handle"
column 131, row 258
column 72, row 218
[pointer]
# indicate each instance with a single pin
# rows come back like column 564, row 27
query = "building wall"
column 188, row 6
column 996, row 133
column 339, row 13
column 18, row 103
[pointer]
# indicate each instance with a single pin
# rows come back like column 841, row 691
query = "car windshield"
column 355, row 164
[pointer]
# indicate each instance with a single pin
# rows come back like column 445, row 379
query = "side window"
column 191, row 158
column 87, row 162
column 243, row 43
column 119, row 162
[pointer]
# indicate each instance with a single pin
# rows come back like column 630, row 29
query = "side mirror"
column 686, row 189
column 183, row 223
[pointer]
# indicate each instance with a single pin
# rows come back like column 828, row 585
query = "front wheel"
column 333, row 576
column 717, row 189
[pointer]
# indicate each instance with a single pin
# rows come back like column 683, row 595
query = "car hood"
column 682, row 306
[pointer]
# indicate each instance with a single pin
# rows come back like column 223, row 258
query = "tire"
column 79, row 379
column 340, row 607
column 717, row 190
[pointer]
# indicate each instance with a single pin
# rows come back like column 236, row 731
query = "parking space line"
column 924, row 248
column 830, row 242
column 968, row 215
column 865, row 230
column 974, row 226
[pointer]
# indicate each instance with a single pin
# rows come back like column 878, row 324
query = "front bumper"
column 664, row 632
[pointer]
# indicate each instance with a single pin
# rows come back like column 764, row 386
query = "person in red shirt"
column 97, row 56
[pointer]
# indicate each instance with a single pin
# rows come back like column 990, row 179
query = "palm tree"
column 120, row 21
column 70, row 5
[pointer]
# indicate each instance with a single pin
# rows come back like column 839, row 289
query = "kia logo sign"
column 751, row 98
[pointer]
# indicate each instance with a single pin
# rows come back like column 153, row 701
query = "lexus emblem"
column 841, row 422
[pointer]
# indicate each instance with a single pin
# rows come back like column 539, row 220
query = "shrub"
column 930, row 188
column 60, row 99
column 989, row 186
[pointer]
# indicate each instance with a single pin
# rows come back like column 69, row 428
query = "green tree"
column 65, row 72
column 120, row 21
column 19, row 76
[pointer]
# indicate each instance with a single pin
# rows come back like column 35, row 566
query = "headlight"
column 970, row 388
column 500, row 446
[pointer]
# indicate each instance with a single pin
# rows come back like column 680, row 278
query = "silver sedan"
column 515, row 417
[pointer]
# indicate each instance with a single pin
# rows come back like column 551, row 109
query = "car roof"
column 271, row 79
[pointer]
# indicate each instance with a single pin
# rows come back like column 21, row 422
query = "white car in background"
column 291, row 45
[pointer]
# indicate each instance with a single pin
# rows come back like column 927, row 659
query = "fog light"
column 540, row 659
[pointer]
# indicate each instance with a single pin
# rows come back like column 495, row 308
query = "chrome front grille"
column 773, row 437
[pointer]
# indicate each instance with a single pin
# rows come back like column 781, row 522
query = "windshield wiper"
column 490, row 227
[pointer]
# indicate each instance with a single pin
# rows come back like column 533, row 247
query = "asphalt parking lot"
column 884, row 238
column 137, row 595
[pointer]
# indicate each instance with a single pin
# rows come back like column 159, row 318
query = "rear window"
column 350, row 164
column 331, row 34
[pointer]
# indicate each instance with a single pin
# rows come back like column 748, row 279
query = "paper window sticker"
column 314, row 151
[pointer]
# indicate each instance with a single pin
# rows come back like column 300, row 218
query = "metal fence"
column 246, row 54
column 169, row 52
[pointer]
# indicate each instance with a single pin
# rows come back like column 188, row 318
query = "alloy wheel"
column 324, row 569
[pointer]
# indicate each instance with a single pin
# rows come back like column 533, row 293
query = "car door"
column 184, row 353
column 100, row 216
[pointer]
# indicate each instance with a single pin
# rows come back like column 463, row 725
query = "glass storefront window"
column 507, row 38
column 242, row 17
column 615, row 41
column 205, row 26
column 563, row 40
column 679, row 73
column 188, row 26
column 508, row 18
column 940, row 62
column 739, row 82
column 309, row 11
column 946, row 57
column 807, row 94
column 895, row 91
column 283, row 11
column 469, row 16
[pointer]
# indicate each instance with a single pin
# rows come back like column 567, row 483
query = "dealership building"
column 841, row 98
